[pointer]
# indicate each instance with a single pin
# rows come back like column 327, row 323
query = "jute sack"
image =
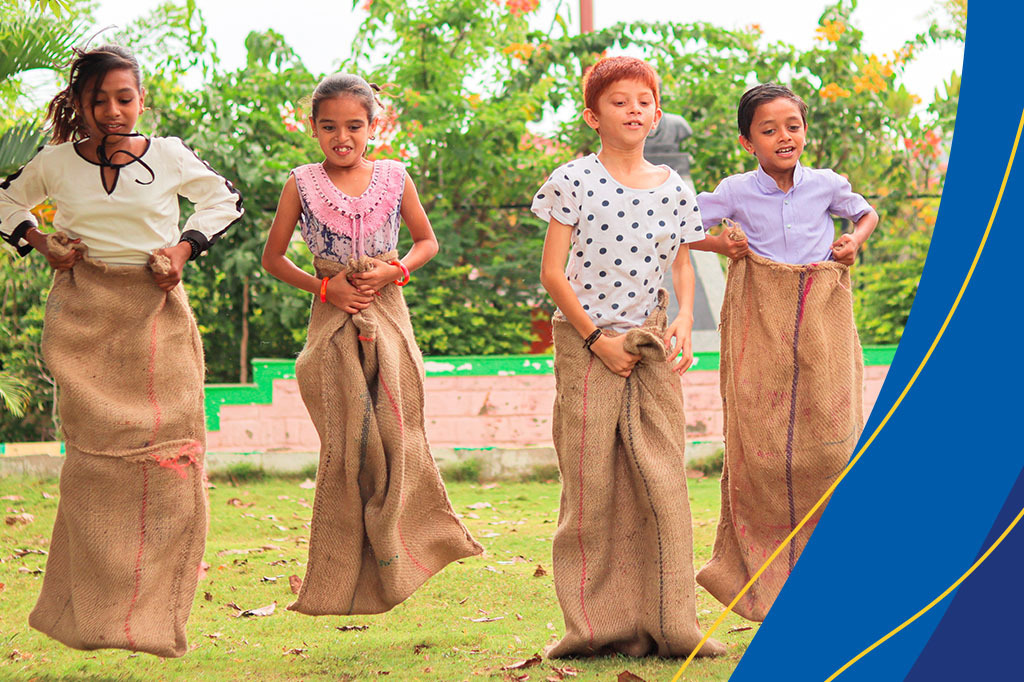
column 791, row 379
column 131, row 523
column 623, row 549
column 382, row 523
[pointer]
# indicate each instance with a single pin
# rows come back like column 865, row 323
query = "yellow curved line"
column 935, row 601
column 878, row 429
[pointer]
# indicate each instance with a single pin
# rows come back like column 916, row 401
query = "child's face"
column 777, row 135
column 625, row 114
column 342, row 128
column 114, row 107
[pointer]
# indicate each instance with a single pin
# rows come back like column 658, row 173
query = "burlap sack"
column 623, row 549
column 791, row 380
column 131, row 523
column 382, row 523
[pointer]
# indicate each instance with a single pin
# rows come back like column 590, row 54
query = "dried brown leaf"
column 207, row 596
column 626, row 676
column 420, row 647
column 526, row 663
column 261, row 611
column 350, row 628
column 740, row 628
column 22, row 519
column 540, row 572
column 30, row 571
column 235, row 502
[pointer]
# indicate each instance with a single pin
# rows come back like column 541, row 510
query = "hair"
column 342, row 84
column 601, row 75
column 66, row 120
column 762, row 94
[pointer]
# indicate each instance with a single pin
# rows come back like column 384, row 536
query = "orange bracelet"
column 323, row 290
column 405, row 272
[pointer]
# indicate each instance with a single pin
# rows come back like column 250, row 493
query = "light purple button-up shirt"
column 788, row 227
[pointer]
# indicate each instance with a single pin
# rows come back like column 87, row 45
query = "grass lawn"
column 475, row 618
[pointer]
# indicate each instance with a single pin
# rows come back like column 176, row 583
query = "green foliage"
column 467, row 470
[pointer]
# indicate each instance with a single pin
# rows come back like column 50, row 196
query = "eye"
column 126, row 101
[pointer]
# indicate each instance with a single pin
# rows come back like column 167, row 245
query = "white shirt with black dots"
column 623, row 239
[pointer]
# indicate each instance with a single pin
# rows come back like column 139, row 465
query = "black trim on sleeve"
column 206, row 242
column 197, row 240
column 13, row 176
column 17, row 235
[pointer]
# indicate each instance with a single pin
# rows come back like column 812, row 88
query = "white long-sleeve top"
column 139, row 215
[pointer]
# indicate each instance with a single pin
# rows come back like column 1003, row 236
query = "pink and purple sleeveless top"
column 337, row 226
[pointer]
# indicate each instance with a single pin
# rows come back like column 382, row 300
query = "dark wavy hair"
column 88, row 67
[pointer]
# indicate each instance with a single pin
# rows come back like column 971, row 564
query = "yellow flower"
column 833, row 92
column 521, row 51
column 830, row 31
column 474, row 100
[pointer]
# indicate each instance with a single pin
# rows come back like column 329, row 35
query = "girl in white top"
column 121, row 342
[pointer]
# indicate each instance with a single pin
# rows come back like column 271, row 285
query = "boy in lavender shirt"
column 791, row 363
column 783, row 207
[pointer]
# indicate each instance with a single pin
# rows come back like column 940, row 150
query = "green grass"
column 431, row 636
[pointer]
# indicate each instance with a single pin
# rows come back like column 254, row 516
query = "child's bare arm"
column 681, row 328
column 424, row 244
column 275, row 260
column 552, row 276
column 844, row 249
column 723, row 244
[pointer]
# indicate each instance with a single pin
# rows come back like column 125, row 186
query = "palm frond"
column 18, row 144
column 29, row 40
column 14, row 393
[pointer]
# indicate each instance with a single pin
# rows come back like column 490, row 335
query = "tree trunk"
column 243, row 354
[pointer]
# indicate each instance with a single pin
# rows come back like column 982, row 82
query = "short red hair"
column 601, row 75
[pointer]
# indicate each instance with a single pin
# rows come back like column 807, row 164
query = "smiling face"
column 114, row 106
column 777, row 137
column 625, row 113
column 342, row 128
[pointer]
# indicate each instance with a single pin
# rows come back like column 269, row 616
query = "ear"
column 372, row 128
column 745, row 143
column 590, row 118
column 657, row 118
column 142, row 100
column 312, row 126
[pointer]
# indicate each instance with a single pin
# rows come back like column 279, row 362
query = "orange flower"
column 520, row 7
column 833, row 92
column 830, row 31
column 521, row 51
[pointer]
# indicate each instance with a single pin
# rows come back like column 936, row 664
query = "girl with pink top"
column 382, row 523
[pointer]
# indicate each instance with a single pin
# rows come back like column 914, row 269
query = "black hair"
column 339, row 84
column 66, row 120
column 762, row 94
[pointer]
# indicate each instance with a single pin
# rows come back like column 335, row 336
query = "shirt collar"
column 768, row 184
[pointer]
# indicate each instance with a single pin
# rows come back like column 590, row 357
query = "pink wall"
column 469, row 412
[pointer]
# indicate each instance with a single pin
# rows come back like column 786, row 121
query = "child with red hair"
column 623, row 549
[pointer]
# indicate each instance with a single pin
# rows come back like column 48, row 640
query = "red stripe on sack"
column 579, row 523
column 138, row 557
column 401, row 498
column 365, row 338
column 189, row 451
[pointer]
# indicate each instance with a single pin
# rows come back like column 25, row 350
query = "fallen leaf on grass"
column 296, row 652
column 261, row 611
column 203, row 568
column 463, row 601
column 22, row 519
column 420, row 647
column 479, row 505
column 486, row 619
column 235, row 502
column 16, row 655
column 350, row 628
column 518, row 677
column 270, row 548
column 527, row 663
column 295, row 582
column 12, row 498
column 2, row 587
column 307, row 485
column 626, row 676
column 207, row 596
column 48, row 496
column 740, row 628
column 540, row 572
column 564, row 672
column 32, row 571
column 25, row 552
column 268, row 579
column 213, row 635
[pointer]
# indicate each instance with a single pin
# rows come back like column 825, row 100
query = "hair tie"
column 376, row 87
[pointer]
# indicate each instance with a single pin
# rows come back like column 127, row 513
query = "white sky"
column 322, row 32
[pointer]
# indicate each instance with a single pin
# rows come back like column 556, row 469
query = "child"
column 120, row 341
column 623, row 549
column 791, row 361
column 382, row 523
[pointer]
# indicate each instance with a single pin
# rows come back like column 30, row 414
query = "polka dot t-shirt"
column 623, row 239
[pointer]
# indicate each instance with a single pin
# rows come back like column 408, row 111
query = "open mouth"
column 111, row 127
column 342, row 150
column 785, row 151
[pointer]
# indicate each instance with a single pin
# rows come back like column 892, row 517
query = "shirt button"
column 786, row 202
column 790, row 225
